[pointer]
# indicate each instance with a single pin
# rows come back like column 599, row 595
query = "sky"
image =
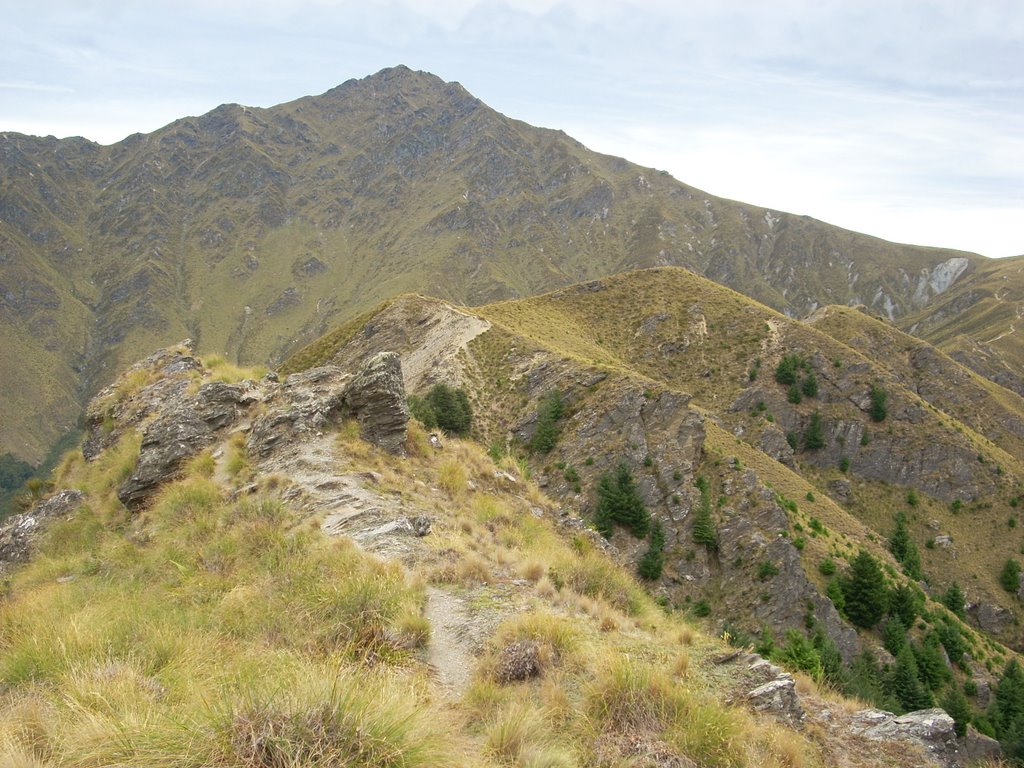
column 904, row 120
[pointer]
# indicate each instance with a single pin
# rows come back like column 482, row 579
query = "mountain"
column 253, row 231
column 241, row 570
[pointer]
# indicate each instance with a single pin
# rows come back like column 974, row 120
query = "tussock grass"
column 222, row 370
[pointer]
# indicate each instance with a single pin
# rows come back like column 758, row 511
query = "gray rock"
column 303, row 403
column 184, row 427
column 519, row 661
column 774, row 443
column 751, row 537
column 840, row 490
column 932, row 729
column 989, row 617
column 18, row 534
column 778, row 698
column 117, row 408
column 977, row 747
column 376, row 396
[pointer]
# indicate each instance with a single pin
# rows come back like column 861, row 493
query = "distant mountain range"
column 253, row 231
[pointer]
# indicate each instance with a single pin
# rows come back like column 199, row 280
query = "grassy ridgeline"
column 210, row 632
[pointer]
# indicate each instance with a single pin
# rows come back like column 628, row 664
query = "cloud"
column 24, row 85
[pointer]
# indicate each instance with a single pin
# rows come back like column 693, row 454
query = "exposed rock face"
column 117, row 408
column 183, row 428
column 18, row 533
column 978, row 747
column 774, row 443
column 305, row 402
column 750, row 535
column 181, row 423
column 377, row 398
column 989, row 617
column 933, row 729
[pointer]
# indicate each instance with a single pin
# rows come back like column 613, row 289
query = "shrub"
column 878, row 409
column 653, row 561
column 443, row 407
column 953, row 598
column 813, row 435
column 767, row 570
column 904, row 549
column 549, row 414
column 864, row 591
column 619, row 503
column 789, row 367
column 1009, row 576
column 703, row 526
column 827, row 567
column 809, row 386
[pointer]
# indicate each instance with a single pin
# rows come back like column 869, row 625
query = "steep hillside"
column 627, row 354
column 255, row 230
column 976, row 322
column 293, row 587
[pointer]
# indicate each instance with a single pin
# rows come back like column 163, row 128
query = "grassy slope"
column 985, row 309
column 722, row 335
column 215, row 632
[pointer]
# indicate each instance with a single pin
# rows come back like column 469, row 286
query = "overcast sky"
column 901, row 119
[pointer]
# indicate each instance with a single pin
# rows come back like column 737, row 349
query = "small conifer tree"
column 878, row 408
column 906, row 683
column 1009, row 576
column 813, row 435
column 865, row 591
column 619, row 503
column 953, row 598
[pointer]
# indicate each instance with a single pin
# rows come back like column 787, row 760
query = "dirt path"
column 450, row 650
column 353, row 504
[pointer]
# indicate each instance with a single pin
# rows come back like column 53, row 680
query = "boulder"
column 376, row 397
column 519, row 661
column 989, row 617
column 840, row 490
column 19, row 533
column 183, row 428
column 932, row 729
column 779, row 698
column 304, row 403
column 977, row 747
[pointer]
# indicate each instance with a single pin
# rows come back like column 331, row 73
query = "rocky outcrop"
column 977, row 747
column 184, row 427
column 138, row 393
column 179, row 422
column 376, row 396
column 989, row 617
column 18, row 534
column 748, row 537
column 774, row 443
column 304, row 403
column 932, row 729
column 308, row 402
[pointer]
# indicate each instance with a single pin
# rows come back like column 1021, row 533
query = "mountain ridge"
column 254, row 230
